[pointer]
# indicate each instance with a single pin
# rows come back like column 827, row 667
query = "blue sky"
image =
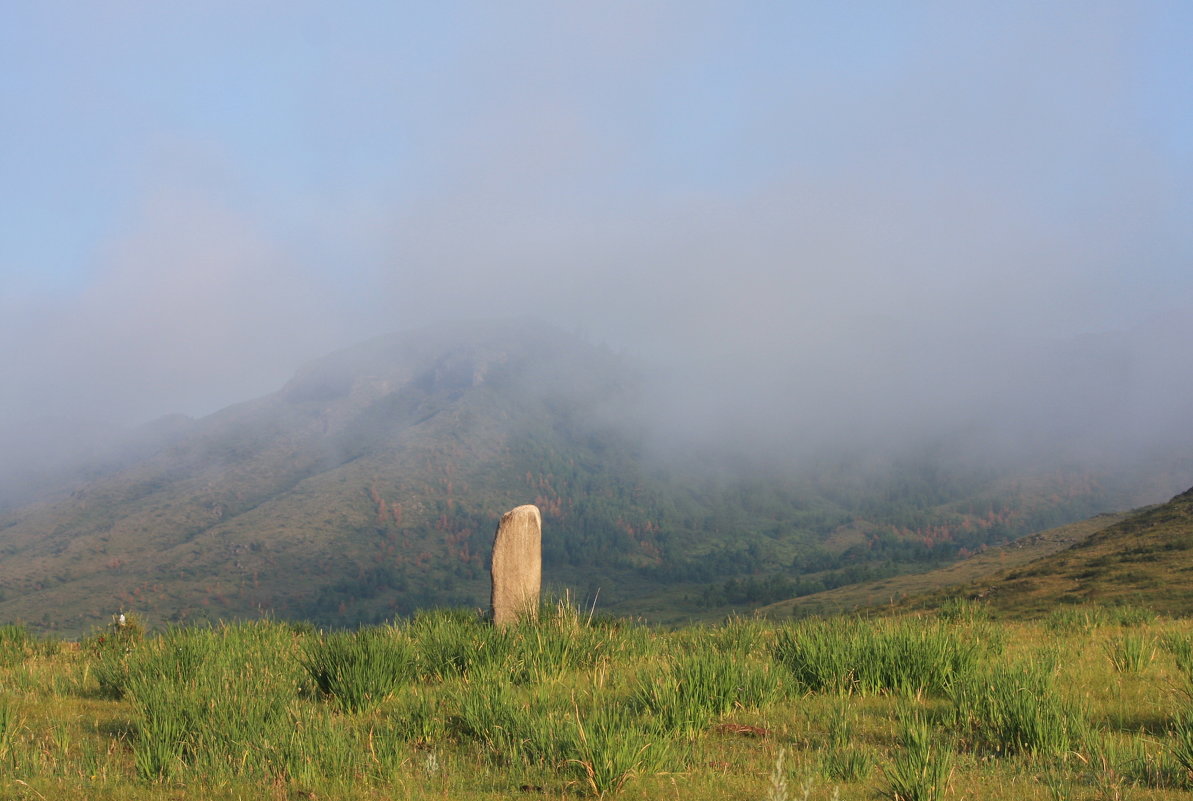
column 196, row 198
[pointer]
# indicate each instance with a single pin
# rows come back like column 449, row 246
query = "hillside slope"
column 1145, row 559
column 921, row 588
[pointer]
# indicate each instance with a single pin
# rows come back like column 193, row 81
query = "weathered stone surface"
column 517, row 565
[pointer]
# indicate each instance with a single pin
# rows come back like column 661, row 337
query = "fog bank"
column 820, row 228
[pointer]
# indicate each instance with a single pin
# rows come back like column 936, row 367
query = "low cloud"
column 815, row 228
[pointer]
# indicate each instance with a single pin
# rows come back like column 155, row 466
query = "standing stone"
column 517, row 565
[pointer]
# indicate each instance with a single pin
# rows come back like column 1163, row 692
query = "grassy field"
column 1088, row 703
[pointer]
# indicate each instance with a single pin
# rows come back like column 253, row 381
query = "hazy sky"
column 852, row 206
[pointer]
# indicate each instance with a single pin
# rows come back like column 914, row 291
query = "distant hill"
column 1144, row 557
column 967, row 577
column 369, row 486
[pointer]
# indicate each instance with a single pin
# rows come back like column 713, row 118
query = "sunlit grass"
column 445, row 706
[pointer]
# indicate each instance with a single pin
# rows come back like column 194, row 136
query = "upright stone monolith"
column 517, row 565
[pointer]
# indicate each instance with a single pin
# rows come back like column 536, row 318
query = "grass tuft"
column 850, row 655
column 359, row 669
column 613, row 747
column 1018, row 710
column 696, row 689
column 921, row 768
column 1130, row 652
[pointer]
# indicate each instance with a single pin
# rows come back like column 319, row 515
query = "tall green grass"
column 16, row 644
column 1115, row 762
column 1076, row 620
column 743, row 636
column 921, row 767
column 1131, row 652
column 612, row 746
column 1017, row 710
column 456, row 643
column 588, row 739
column 842, row 758
column 560, row 642
column 490, row 711
column 446, row 706
column 512, row 695
column 867, row 657
column 963, row 610
column 216, row 703
column 1084, row 619
column 452, row 643
column 10, row 725
column 1180, row 645
column 360, row 669
column 695, row 689
column 1181, row 746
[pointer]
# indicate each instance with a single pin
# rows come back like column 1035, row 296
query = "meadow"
column 1088, row 703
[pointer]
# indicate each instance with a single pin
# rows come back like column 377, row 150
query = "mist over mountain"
column 368, row 486
column 820, row 231
column 330, row 468
column 1114, row 401
column 824, row 291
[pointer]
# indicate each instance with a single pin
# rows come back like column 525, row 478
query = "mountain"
column 370, row 484
column 371, row 464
